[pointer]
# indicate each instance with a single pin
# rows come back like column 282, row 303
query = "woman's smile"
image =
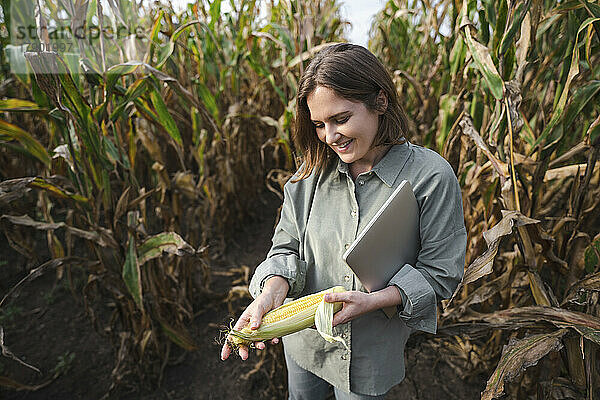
column 344, row 146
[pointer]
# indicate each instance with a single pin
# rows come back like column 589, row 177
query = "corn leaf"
column 102, row 236
column 560, row 106
column 171, row 46
column 582, row 96
column 15, row 105
column 117, row 71
column 519, row 355
column 517, row 21
column 131, row 273
column 482, row 58
column 586, row 324
column 483, row 265
column 134, row 91
column 178, row 336
column 164, row 117
column 592, row 255
column 209, row 100
column 16, row 188
column 577, row 293
column 12, row 384
column 39, row 271
column 168, row 242
column 29, row 143
column 499, row 166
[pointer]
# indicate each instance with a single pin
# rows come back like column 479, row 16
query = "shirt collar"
column 389, row 167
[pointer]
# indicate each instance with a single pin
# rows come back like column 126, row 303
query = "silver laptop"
column 388, row 241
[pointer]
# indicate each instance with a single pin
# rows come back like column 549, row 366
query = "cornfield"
column 131, row 162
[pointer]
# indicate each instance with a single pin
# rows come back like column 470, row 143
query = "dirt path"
column 48, row 328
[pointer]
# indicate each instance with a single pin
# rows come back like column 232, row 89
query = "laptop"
column 388, row 241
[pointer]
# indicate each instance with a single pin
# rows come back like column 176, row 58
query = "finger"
column 260, row 345
column 335, row 297
column 242, row 322
column 255, row 321
column 225, row 352
column 243, row 352
column 339, row 317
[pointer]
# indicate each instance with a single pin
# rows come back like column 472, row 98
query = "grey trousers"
column 304, row 385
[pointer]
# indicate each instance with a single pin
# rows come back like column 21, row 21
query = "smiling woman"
column 346, row 93
column 351, row 132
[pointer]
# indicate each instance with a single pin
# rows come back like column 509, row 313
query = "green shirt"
column 321, row 216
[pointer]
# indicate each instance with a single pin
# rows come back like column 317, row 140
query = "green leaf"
column 509, row 36
column 116, row 71
column 560, row 106
column 164, row 117
column 41, row 183
column 131, row 273
column 169, row 242
column 592, row 255
column 581, row 97
column 457, row 55
column 264, row 72
column 501, row 20
column 14, row 105
column 209, row 100
column 169, row 51
column 137, row 89
column 483, row 60
column 33, row 147
column 215, row 13
column 592, row 9
column 153, row 38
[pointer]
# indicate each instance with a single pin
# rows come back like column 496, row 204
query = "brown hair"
column 355, row 74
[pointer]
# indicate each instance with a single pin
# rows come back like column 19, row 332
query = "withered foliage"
column 508, row 92
column 134, row 164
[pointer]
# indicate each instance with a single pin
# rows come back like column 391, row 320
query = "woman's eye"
column 342, row 120
column 318, row 126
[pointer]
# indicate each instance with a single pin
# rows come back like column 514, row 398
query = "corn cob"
column 292, row 317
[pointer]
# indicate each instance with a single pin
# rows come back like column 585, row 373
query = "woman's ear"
column 381, row 102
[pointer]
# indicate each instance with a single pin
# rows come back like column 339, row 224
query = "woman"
column 350, row 129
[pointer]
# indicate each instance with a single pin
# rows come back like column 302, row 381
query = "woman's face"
column 348, row 127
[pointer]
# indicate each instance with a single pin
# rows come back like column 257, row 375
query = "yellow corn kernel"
column 285, row 319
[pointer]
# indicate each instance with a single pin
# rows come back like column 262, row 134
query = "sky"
column 359, row 12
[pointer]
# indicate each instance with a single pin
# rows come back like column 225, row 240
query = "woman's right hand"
column 273, row 294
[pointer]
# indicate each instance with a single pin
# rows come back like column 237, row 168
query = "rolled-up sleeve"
column 440, row 261
column 283, row 258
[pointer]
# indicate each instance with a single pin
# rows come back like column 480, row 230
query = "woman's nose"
column 331, row 134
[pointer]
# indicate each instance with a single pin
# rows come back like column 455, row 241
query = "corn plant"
column 508, row 92
column 135, row 158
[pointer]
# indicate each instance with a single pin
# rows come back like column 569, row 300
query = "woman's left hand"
column 358, row 303
column 355, row 304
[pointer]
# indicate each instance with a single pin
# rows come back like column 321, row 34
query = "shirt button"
column 353, row 213
column 347, row 278
column 344, row 357
column 361, row 182
column 347, row 246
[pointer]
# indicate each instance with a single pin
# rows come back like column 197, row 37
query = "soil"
column 46, row 326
